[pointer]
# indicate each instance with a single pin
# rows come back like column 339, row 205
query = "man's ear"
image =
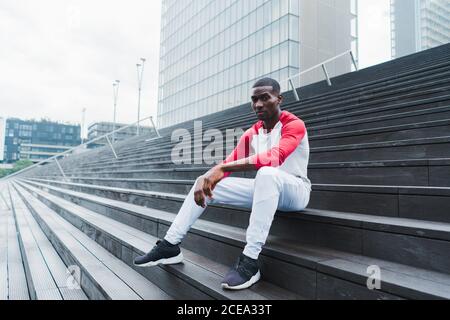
column 281, row 98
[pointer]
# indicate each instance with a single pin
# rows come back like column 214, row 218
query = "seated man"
column 277, row 148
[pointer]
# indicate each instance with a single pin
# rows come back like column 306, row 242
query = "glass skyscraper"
column 212, row 51
column 419, row 25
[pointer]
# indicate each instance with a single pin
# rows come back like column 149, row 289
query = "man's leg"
column 274, row 189
column 231, row 191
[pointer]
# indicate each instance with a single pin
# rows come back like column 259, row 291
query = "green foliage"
column 19, row 165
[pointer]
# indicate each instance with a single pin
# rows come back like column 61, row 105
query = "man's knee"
column 268, row 172
column 268, row 175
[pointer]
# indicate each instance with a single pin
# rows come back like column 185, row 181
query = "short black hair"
column 268, row 82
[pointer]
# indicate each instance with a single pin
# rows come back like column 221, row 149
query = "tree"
column 19, row 165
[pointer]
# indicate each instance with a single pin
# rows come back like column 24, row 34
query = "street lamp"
column 116, row 85
column 83, row 125
column 140, row 74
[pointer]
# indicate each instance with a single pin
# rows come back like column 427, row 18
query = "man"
column 277, row 148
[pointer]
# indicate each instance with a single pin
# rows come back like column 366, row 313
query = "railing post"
column 61, row 169
column 154, row 126
column 297, row 98
column 112, row 147
column 354, row 60
column 324, row 68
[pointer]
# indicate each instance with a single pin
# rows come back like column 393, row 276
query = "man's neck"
column 271, row 123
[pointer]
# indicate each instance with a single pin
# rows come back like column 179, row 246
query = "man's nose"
column 258, row 104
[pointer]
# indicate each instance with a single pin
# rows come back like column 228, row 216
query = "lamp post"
column 83, row 125
column 140, row 74
column 116, row 85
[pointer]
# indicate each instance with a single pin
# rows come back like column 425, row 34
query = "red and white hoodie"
column 286, row 146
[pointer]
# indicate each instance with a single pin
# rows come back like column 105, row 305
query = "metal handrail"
column 289, row 80
column 323, row 65
column 55, row 157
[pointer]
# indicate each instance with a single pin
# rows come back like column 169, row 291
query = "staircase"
column 380, row 167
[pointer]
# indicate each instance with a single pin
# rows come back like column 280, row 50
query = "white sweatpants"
column 272, row 189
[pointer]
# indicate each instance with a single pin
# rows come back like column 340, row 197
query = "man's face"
column 265, row 102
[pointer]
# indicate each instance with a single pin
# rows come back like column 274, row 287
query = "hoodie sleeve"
column 242, row 149
column 292, row 135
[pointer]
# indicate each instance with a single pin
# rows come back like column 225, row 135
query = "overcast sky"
column 59, row 56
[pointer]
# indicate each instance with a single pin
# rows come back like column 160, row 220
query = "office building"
column 418, row 25
column 36, row 140
column 212, row 51
column 99, row 129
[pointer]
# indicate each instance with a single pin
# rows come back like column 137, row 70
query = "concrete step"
column 393, row 70
column 197, row 278
column 351, row 232
column 102, row 275
column 423, row 203
column 391, row 133
column 318, row 121
column 436, row 147
column 306, row 262
column 317, row 113
column 46, row 272
column 398, row 119
column 424, row 74
column 422, row 148
column 425, row 173
column 13, row 282
column 302, row 107
column 311, row 129
column 372, row 123
column 427, row 129
column 382, row 88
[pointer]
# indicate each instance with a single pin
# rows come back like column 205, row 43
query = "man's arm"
column 207, row 182
column 291, row 137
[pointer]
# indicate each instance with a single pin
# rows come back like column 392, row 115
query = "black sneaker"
column 243, row 275
column 163, row 253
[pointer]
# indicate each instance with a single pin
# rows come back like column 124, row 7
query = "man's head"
column 266, row 98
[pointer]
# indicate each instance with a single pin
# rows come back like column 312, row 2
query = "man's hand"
column 206, row 184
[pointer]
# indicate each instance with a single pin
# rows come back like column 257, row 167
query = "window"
column 293, row 28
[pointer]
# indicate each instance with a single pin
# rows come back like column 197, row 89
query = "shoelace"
column 154, row 248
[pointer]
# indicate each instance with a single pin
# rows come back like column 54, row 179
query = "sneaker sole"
column 174, row 260
column 245, row 285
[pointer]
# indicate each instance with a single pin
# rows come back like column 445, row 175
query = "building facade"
column 37, row 140
column 99, row 129
column 418, row 25
column 212, row 51
column 2, row 138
